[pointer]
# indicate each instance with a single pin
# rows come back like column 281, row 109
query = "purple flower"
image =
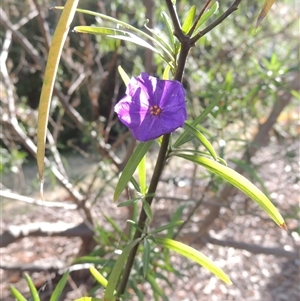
column 152, row 107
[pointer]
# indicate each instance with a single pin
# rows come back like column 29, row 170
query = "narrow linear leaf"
column 188, row 22
column 135, row 225
column 142, row 175
column 55, row 50
column 125, row 77
column 241, row 183
column 131, row 166
column 266, row 8
column 202, row 139
column 125, row 25
column 146, row 257
column 135, row 184
column 128, row 203
column 184, row 136
column 59, row 288
column 166, row 227
column 147, row 210
column 137, row 291
column 212, row 10
column 194, row 255
column 116, row 34
column 169, row 26
column 156, row 289
column 166, row 73
column 33, row 291
column 117, row 270
column 98, row 276
column 17, row 294
column 159, row 38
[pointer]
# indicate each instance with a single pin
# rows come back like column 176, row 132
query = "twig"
column 28, row 200
column 15, row 233
column 191, row 31
column 252, row 248
column 230, row 10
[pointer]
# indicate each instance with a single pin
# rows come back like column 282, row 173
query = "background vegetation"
column 255, row 123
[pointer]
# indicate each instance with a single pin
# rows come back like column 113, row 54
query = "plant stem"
column 143, row 217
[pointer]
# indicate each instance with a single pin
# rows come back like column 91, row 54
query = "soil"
column 255, row 277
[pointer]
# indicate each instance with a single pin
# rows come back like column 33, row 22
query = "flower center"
column 155, row 110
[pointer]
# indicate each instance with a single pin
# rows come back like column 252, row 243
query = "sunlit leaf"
column 98, row 276
column 33, row 291
column 212, row 10
column 55, row 50
column 116, row 34
column 126, row 25
column 142, row 175
column 125, row 77
column 17, row 294
column 89, row 299
column 117, row 270
column 188, row 22
column 241, row 183
column 185, row 136
column 267, row 6
column 131, row 166
column 201, row 138
column 59, row 287
column 194, row 255
column 169, row 26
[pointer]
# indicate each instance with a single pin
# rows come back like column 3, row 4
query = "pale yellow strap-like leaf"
column 267, row 6
column 55, row 50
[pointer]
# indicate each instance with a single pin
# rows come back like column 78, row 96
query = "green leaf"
column 146, row 257
column 126, row 25
column 59, row 287
column 166, row 73
column 17, row 294
column 33, row 290
column 116, row 34
column 267, row 6
column 55, row 50
column 212, row 10
column 98, row 276
column 142, row 175
column 128, row 203
column 125, row 77
column 169, row 25
column 185, row 136
column 166, row 227
column 137, row 291
column 202, row 139
column 156, row 289
column 194, row 255
column 241, row 183
column 135, row 225
column 135, row 185
column 117, row 270
column 116, row 227
column 131, row 166
column 188, row 22
column 147, row 210
column 159, row 38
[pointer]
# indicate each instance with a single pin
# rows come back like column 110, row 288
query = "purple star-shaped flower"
column 152, row 107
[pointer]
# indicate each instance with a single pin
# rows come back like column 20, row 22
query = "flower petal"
column 144, row 92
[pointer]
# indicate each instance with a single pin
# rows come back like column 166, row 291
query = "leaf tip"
column 284, row 226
